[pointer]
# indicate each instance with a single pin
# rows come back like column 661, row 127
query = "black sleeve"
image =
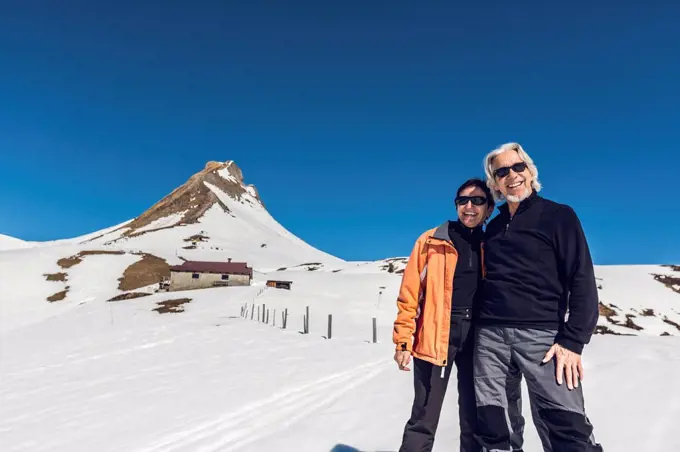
column 578, row 275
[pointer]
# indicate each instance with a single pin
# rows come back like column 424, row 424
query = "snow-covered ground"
column 637, row 298
column 121, row 377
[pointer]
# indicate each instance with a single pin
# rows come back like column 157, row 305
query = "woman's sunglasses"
column 505, row 170
column 476, row 200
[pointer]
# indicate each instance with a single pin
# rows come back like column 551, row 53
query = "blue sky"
column 355, row 120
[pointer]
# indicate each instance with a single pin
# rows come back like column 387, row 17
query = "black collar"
column 442, row 232
column 465, row 231
column 524, row 205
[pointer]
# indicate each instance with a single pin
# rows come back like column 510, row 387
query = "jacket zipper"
column 469, row 266
column 507, row 225
column 444, row 366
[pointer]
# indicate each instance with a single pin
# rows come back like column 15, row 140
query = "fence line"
column 305, row 319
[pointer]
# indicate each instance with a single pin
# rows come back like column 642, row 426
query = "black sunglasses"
column 505, row 170
column 476, row 200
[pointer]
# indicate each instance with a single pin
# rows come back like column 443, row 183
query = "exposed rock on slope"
column 68, row 262
column 670, row 281
column 189, row 202
column 145, row 272
column 169, row 306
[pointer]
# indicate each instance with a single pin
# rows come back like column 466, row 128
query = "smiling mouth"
column 469, row 214
column 516, row 184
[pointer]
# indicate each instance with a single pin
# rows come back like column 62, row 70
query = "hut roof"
column 232, row 268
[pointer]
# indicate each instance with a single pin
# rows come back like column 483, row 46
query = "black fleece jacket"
column 467, row 276
column 539, row 267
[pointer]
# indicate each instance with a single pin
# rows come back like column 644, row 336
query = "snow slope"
column 638, row 300
column 10, row 243
column 122, row 377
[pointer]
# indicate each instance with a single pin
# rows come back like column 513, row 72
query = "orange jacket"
column 424, row 301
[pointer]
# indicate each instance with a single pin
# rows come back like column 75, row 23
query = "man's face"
column 472, row 206
column 513, row 181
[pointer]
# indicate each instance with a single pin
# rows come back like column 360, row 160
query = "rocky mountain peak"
column 189, row 202
column 231, row 168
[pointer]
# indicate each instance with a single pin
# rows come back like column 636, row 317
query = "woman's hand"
column 403, row 358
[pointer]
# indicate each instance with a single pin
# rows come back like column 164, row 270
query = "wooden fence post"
column 375, row 331
column 307, row 321
column 252, row 311
column 285, row 318
column 267, row 322
column 274, row 318
column 330, row 325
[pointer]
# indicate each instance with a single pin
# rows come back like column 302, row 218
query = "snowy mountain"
column 214, row 216
column 84, row 368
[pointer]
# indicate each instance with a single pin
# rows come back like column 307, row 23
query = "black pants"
column 430, row 388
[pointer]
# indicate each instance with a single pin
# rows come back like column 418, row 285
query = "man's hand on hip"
column 568, row 364
column 402, row 358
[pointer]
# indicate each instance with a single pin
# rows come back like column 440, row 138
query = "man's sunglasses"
column 505, row 170
column 476, row 200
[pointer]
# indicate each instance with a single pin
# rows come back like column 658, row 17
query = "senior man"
column 538, row 310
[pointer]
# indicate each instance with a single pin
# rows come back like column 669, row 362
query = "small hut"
column 279, row 284
column 201, row 275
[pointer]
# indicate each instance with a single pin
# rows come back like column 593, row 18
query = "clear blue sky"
column 355, row 120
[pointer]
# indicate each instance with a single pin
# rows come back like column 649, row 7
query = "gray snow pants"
column 558, row 413
column 430, row 390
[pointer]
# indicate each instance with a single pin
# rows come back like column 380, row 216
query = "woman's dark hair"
column 475, row 182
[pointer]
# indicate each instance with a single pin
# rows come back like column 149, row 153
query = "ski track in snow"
column 267, row 416
column 101, row 356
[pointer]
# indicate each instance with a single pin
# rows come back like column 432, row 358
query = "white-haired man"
column 538, row 267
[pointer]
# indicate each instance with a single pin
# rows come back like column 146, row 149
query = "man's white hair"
column 488, row 167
